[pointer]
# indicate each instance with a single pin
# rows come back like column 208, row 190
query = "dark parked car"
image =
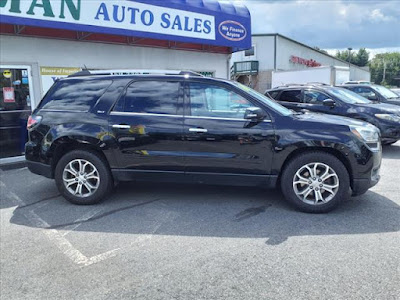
column 338, row 101
column 89, row 132
column 374, row 92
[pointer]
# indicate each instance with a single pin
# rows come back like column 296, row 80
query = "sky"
column 331, row 24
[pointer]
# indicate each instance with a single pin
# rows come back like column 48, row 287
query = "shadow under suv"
column 91, row 131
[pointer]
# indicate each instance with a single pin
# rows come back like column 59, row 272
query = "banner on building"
column 49, row 75
column 203, row 22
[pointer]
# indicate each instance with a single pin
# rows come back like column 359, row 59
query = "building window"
column 250, row 52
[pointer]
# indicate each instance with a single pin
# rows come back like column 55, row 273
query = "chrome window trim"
column 121, row 113
column 64, row 110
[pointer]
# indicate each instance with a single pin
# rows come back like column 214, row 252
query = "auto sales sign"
column 166, row 20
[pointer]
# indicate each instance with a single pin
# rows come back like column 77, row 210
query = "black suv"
column 374, row 92
column 338, row 101
column 89, row 132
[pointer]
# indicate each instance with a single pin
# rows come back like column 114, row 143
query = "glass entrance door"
column 15, row 108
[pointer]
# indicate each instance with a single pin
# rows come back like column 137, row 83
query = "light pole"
column 349, row 59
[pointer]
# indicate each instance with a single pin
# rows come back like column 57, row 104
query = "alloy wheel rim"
column 81, row 178
column 316, row 183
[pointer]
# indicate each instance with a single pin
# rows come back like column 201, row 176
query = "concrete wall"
column 360, row 74
column 38, row 52
column 264, row 53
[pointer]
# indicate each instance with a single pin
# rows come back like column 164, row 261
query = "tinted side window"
column 314, row 97
column 364, row 91
column 291, row 96
column 273, row 94
column 157, row 97
column 214, row 101
column 78, row 95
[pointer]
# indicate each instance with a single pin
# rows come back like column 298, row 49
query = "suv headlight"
column 368, row 134
column 388, row 117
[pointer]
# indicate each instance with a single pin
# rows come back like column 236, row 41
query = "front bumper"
column 371, row 177
column 390, row 131
column 360, row 186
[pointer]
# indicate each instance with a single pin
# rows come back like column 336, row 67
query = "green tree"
column 321, row 50
column 360, row 58
column 385, row 68
column 344, row 55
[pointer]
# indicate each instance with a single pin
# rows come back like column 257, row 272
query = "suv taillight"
column 32, row 121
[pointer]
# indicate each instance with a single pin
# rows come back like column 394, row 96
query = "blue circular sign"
column 232, row 30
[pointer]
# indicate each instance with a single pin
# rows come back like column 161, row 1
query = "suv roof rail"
column 318, row 83
column 357, row 82
column 302, row 84
column 134, row 72
column 290, row 84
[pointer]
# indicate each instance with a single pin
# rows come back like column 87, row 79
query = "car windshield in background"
column 348, row 96
column 268, row 101
column 388, row 94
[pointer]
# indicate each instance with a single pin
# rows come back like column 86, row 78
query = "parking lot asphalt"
column 172, row 241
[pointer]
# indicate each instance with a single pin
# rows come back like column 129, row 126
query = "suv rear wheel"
column 315, row 182
column 82, row 177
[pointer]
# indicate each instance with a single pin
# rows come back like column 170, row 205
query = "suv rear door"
column 218, row 140
column 291, row 99
column 147, row 123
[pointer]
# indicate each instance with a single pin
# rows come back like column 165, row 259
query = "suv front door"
column 147, row 123
column 218, row 140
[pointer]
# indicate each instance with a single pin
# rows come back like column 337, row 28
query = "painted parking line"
column 78, row 222
column 55, row 236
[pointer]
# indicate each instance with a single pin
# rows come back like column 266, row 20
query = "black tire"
column 296, row 163
column 106, row 180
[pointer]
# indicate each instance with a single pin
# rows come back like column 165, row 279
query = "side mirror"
column 372, row 97
column 254, row 114
column 329, row 102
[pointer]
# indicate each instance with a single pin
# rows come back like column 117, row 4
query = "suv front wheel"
column 315, row 182
column 82, row 177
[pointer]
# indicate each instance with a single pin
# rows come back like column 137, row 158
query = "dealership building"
column 274, row 53
column 41, row 41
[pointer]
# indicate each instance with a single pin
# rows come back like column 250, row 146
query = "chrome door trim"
column 120, row 126
column 120, row 113
column 198, row 130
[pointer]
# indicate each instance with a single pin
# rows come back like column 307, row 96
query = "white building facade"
column 275, row 52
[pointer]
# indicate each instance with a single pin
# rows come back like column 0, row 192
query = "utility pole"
column 384, row 70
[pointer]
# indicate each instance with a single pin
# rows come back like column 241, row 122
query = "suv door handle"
column 121, row 126
column 198, row 130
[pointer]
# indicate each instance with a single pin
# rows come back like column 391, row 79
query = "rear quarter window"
column 273, row 94
column 76, row 95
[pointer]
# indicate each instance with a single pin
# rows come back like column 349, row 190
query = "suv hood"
column 329, row 119
column 394, row 101
column 376, row 108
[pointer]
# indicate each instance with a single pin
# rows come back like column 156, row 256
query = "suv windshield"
column 348, row 96
column 388, row 94
column 268, row 101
